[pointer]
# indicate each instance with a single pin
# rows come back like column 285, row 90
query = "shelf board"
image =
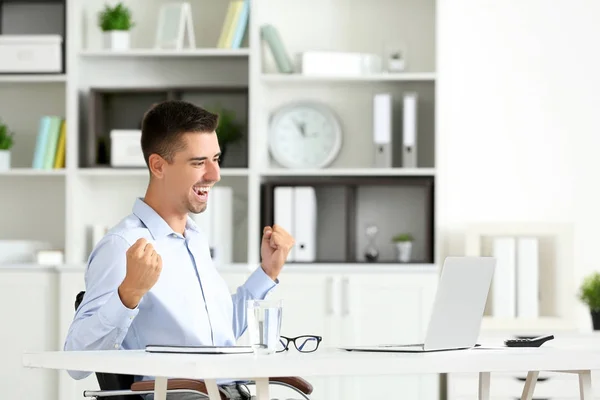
column 33, row 172
column 33, row 78
column 383, row 77
column 126, row 172
column 350, row 172
column 149, row 52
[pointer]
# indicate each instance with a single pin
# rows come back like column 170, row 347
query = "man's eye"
column 198, row 164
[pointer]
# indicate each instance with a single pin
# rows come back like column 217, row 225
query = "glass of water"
column 264, row 325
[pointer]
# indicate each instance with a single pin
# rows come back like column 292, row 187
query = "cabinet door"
column 28, row 309
column 310, row 307
column 388, row 308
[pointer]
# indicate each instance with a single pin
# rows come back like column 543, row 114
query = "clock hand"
column 303, row 129
column 300, row 127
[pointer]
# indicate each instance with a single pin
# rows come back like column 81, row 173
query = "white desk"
column 328, row 362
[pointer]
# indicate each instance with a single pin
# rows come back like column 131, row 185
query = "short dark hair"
column 165, row 123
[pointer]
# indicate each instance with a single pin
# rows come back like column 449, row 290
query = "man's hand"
column 275, row 247
column 143, row 269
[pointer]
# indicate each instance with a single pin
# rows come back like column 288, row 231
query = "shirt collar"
column 157, row 226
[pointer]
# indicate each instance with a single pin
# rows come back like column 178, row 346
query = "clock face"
column 305, row 136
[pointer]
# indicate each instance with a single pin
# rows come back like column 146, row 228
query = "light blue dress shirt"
column 189, row 305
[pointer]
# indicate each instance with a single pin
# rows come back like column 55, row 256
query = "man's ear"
column 157, row 165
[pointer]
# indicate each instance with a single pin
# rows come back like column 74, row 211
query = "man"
column 150, row 280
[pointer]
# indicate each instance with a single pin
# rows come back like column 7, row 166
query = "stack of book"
column 50, row 145
column 234, row 26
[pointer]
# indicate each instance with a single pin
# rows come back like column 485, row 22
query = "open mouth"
column 202, row 192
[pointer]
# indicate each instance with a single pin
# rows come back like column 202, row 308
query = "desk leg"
column 484, row 385
column 532, row 377
column 160, row 388
column 585, row 385
column 212, row 389
column 262, row 389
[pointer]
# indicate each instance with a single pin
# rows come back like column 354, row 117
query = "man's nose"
column 213, row 173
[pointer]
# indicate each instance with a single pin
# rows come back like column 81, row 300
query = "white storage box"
column 30, row 53
column 21, row 251
column 126, row 149
column 333, row 63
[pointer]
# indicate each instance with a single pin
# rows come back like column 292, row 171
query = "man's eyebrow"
column 202, row 158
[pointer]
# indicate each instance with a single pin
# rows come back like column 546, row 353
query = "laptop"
column 457, row 311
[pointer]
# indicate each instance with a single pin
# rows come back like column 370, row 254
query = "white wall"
column 519, row 127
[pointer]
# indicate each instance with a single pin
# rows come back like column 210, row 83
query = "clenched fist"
column 275, row 247
column 143, row 269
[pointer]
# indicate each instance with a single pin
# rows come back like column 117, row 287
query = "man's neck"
column 175, row 219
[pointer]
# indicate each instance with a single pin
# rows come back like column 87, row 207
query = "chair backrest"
column 111, row 381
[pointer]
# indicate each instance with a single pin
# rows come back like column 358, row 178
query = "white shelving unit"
column 59, row 206
column 87, row 196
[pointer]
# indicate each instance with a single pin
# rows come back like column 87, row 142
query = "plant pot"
column 595, row 319
column 404, row 250
column 116, row 40
column 4, row 160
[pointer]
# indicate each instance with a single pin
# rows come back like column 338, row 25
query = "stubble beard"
column 197, row 208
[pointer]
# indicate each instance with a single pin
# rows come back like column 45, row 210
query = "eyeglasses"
column 304, row 344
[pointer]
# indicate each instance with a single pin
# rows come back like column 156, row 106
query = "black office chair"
column 123, row 387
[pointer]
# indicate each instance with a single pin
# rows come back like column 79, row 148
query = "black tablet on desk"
column 198, row 349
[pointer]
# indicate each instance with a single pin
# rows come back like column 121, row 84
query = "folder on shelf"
column 409, row 130
column 59, row 158
column 295, row 209
column 503, row 285
column 234, row 25
column 40, row 144
column 382, row 130
column 270, row 35
column 217, row 223
column 50, row 143
column 240, row 25
column 305, row 223
column 527, row 277
column 283, row 212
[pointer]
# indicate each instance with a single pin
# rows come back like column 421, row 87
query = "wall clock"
column 304, row 135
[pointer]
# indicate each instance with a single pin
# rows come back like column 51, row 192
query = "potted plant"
column 404, row 242
column 228, row 129
column 589, row 293
column 116, row 23
column 6, row 143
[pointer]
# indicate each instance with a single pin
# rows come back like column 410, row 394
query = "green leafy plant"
column 117, row 18
column 589, row 291
column 228, row 129
column 6, row 137
column 403, row 237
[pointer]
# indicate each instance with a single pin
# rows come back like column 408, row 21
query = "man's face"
column 194, row 170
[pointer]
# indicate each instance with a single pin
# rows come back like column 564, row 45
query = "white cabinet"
column 388, row 308
column 355, row 307
column 29, row 323
column 360, row 308
column 509, row 385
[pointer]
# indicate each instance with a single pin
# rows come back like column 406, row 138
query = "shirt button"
column 116, row 346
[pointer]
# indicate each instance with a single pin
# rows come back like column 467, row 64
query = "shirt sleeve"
column 257, row 287
column 102, row 321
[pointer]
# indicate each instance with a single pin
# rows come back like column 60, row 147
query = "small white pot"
column 116, row 40
column 4, row 160
column 404, row 250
